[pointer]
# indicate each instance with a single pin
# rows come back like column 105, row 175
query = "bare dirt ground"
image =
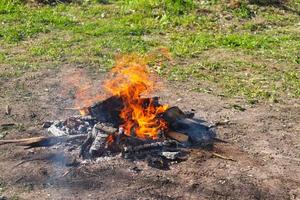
column 264, row 141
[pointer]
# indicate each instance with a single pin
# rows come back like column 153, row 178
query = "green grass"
column 261, row 43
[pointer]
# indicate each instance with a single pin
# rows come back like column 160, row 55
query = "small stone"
column 3, row 198
column 56, row 131
column 3, row 134
column 170, row 155
column 58, row 124
column 47, row 124
column 103, row 159
column 135, row 169
column 82, row 128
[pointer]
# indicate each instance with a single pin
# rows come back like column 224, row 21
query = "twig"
column 222, row 123
column 29, row 160
column 16, row 141
column 8, row 124
column 223, row 157
column 220, row 140
column 66, row 173
column 8, row 110
column 71, row 108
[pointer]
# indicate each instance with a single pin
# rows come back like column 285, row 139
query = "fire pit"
column 130, row 122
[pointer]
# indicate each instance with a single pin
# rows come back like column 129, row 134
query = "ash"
column 105, row 142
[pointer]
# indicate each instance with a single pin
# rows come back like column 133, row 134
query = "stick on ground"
column 42, row 141
column 223, row 157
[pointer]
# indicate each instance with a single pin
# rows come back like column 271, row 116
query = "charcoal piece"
column 71, row 123
column 119, row 137
column 108, row 110
column 86, row 145
column 157, row 162
column 47, row 124
column 153, row 100
column 198, row 132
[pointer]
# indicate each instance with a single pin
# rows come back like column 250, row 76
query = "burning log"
column 108, row 110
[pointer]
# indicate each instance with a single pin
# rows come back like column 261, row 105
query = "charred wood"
column 143, row 147
column 180, row 137
column 197, row 131
column 96, row 143
column 108, row 111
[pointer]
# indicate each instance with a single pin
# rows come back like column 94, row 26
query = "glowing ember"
column 131, row 79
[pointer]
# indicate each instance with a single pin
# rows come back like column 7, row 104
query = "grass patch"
column 91, row 33
column 240, row 78
column 2, row 186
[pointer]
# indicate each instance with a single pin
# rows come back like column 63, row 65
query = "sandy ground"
column 264, row 141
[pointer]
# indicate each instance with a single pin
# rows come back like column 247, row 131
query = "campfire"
column 130, row 122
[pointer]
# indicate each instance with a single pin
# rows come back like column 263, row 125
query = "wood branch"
column 42, row 141
column 180, row 137
column 143, row 147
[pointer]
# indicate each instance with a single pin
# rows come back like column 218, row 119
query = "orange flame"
column 130, row 79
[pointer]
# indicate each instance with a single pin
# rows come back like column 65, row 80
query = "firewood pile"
column 103, row 134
